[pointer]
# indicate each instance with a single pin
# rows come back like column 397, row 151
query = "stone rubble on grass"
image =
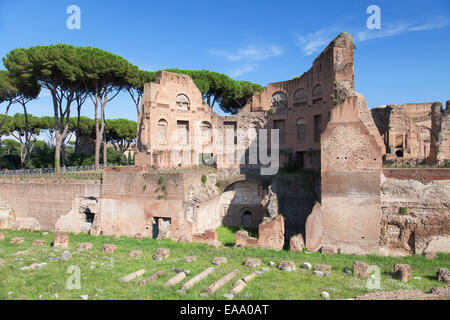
column 361, row 269
column 287, row 266
column 307, row 266
column 84, row 246
column 328, row 250
column 271, row 263
column 325, row 295
column 109, row 248
column 16, row 240
column 328, row 274
column 60, row 240
column 84, row 297
column 194, row 280
column 430, row 255
column 132, row 276
column 38, row 242
column 175, row 280
column 45, row 233
column 318, row 273
column 252, row 262
column 441, row 291
column 417, row 278
column 219, row 260
column 220, row 283
column 324, row 268
column 443, row 275
column 34, row 266
column 65, row 256
column 348, row 272
column 21, row 253
column 134, row 253
column 153, row 277
column 190, row 258
column 161, row 254
column 177, row 270
column 265, row 269
column 296, row 244
column 402, row 272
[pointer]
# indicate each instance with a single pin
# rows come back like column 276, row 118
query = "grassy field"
column 100, row 272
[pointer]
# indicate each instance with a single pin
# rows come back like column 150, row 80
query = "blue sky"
column 408, row 60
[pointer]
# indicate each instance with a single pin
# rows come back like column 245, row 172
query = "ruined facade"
column 405, row 129
column 347, row 203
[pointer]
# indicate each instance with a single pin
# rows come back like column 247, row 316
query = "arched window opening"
column 183, row 102
column 279, row 100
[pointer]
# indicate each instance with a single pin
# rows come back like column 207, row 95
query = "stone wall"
column 350, row 174
column 415, row 213
column 440, row 133
column 46, row 200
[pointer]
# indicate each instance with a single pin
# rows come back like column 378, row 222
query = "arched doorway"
column 240, row 205
column 246, row 219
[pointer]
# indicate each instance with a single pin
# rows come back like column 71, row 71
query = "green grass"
column 301, row 284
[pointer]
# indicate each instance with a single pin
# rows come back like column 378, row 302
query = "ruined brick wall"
column 131, row 204
column 307, row 100
column 173, row 115
column 415, row 211
column 301, row 110
column 405, row 129
column 440, row 133
column 350, row 173
column 45, row 200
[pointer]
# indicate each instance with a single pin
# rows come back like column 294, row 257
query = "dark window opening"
column 247, row 219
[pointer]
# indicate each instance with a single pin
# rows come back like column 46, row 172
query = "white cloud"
column 403, row 27
column 250, row 52
column 316, row 41
column 236, row 72
column 246, row 58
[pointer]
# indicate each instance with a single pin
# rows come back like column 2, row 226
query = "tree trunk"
column 27, row 135
column 77, row 130
column 57, row 152
column 105, row 145
column 0, row 153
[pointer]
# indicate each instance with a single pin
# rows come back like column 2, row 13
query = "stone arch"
column 183, row 102
column 239, row 198
column 279, row 100
column 162, row 131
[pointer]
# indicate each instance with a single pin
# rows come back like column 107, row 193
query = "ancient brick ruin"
column 344, row 201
